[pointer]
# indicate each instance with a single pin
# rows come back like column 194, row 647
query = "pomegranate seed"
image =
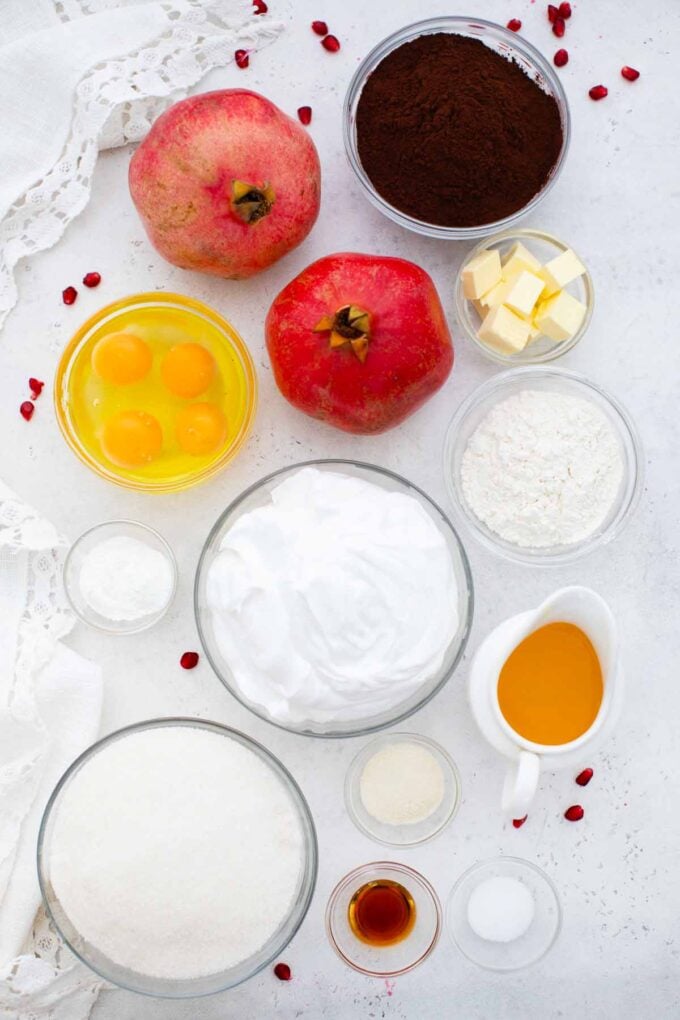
column 260, row 7
column 69, row 295
column 305, row 114
column 564, row 10
column 189, row 660
column 561, row 58
column 575, row 813
column 583, row 778
column 241, row 57
column 514, row 24
column 92, row 279
column 282, row 971
column 330, row 43
column 36, row 387
column 519, row 822
column 598, row 92
column 320, row 27
column 553, row 12
column 629, row 73
column 559, row 27
column 26, row 410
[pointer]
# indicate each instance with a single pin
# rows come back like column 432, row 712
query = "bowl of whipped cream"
column 333, row 598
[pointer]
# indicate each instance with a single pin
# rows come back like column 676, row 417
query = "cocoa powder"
column 455, row 134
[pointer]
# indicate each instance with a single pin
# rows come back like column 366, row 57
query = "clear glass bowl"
column 258, row 495
column 500, row 387
column 74, row 561
column 544, row 247
column 166, row 304
column 412, row 834
column 500, row 39
column 206, row 985
column 384, row 961
column 529, row 947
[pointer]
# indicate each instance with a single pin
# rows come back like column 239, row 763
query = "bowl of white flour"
column 542, row 465
column 177, row 857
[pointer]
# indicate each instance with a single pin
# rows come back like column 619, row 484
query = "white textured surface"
column 618, row 203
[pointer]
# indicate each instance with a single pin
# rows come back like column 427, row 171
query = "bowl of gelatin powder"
column 177, row 857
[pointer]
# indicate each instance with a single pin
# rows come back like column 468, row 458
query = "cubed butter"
column 523, row 292
column 504, row 331
column 494, row 296
column 560, row 316
column 481, row 274
column 560, row 271
column 518, row 258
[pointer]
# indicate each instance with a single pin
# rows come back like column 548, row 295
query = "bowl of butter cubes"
column 524, row 297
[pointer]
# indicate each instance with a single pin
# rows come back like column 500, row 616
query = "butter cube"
column 518, row 258
column 560, row 316
column 504, row 331
column 481, row 274
column 494, row 296
column 560, row 271
column 523, row 292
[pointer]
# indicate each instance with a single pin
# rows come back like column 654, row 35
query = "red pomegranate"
column 226, row 183
column 359, row 341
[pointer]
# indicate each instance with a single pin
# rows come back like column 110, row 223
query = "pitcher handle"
column 520, row 784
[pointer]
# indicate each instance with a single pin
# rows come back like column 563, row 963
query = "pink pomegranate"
column 226, row 183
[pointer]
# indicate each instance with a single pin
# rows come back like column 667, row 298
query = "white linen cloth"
column 50, row 708
column 77, row 76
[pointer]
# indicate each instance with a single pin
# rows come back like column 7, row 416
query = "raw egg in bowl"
column 156, row 392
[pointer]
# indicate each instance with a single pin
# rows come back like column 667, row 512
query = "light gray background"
column 617, row 203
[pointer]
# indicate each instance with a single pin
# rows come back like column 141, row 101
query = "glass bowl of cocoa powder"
column 456, row 127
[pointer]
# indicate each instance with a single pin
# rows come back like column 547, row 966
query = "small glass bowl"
column 384, row 961
column 544, row 247
column 498, row 388
column 529, row 947
column 74, row 561
column 509, row 45
column 414, row 833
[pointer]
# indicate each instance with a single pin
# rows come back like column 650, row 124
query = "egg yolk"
column 188, row 370
column 132, row 438
column 121, row 358
column 200, row 428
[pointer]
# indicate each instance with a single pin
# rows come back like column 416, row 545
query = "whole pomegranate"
column 226, row 183
column 359, row 341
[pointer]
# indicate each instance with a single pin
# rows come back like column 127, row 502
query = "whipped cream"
column 333, row 602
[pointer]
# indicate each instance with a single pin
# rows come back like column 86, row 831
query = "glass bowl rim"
column 310, row 839
column 427, row 26
column 465, row 564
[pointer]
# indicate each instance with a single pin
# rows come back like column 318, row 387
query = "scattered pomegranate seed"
column 519, row 822
column 320, row 27
column 558, row 27
column 36, row 387
column 629, row 73
column 241, row 57
column 189, row 660
column 92, row 279
column 282, row 971
column 514, row 24
column 69, row 295
column 575, row 813
column 26, row 410
column 260, row 7
column 564, row 10
column 598, row 92
column 330, row 43
column 583, row 778
column 553, row 12
column 561, row 58
column 305, row 114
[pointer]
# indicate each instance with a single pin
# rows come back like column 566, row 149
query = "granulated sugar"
column 176, row 852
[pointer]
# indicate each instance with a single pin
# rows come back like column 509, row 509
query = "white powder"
column 542, row 469
column 122, row 578
column 176, row 852
column 501, row 909
column 402, row 784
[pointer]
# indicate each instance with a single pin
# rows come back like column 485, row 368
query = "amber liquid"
column 382, row 913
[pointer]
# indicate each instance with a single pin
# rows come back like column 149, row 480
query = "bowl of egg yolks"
column 156, row 392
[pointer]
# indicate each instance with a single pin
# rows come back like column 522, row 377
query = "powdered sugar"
column 542, row 469
column 122, row 578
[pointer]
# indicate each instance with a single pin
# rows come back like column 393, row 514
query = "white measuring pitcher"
column 587, row 610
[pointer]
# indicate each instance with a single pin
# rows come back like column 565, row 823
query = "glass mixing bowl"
column 259, row 495
column 500, row 39
column 205, row 985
